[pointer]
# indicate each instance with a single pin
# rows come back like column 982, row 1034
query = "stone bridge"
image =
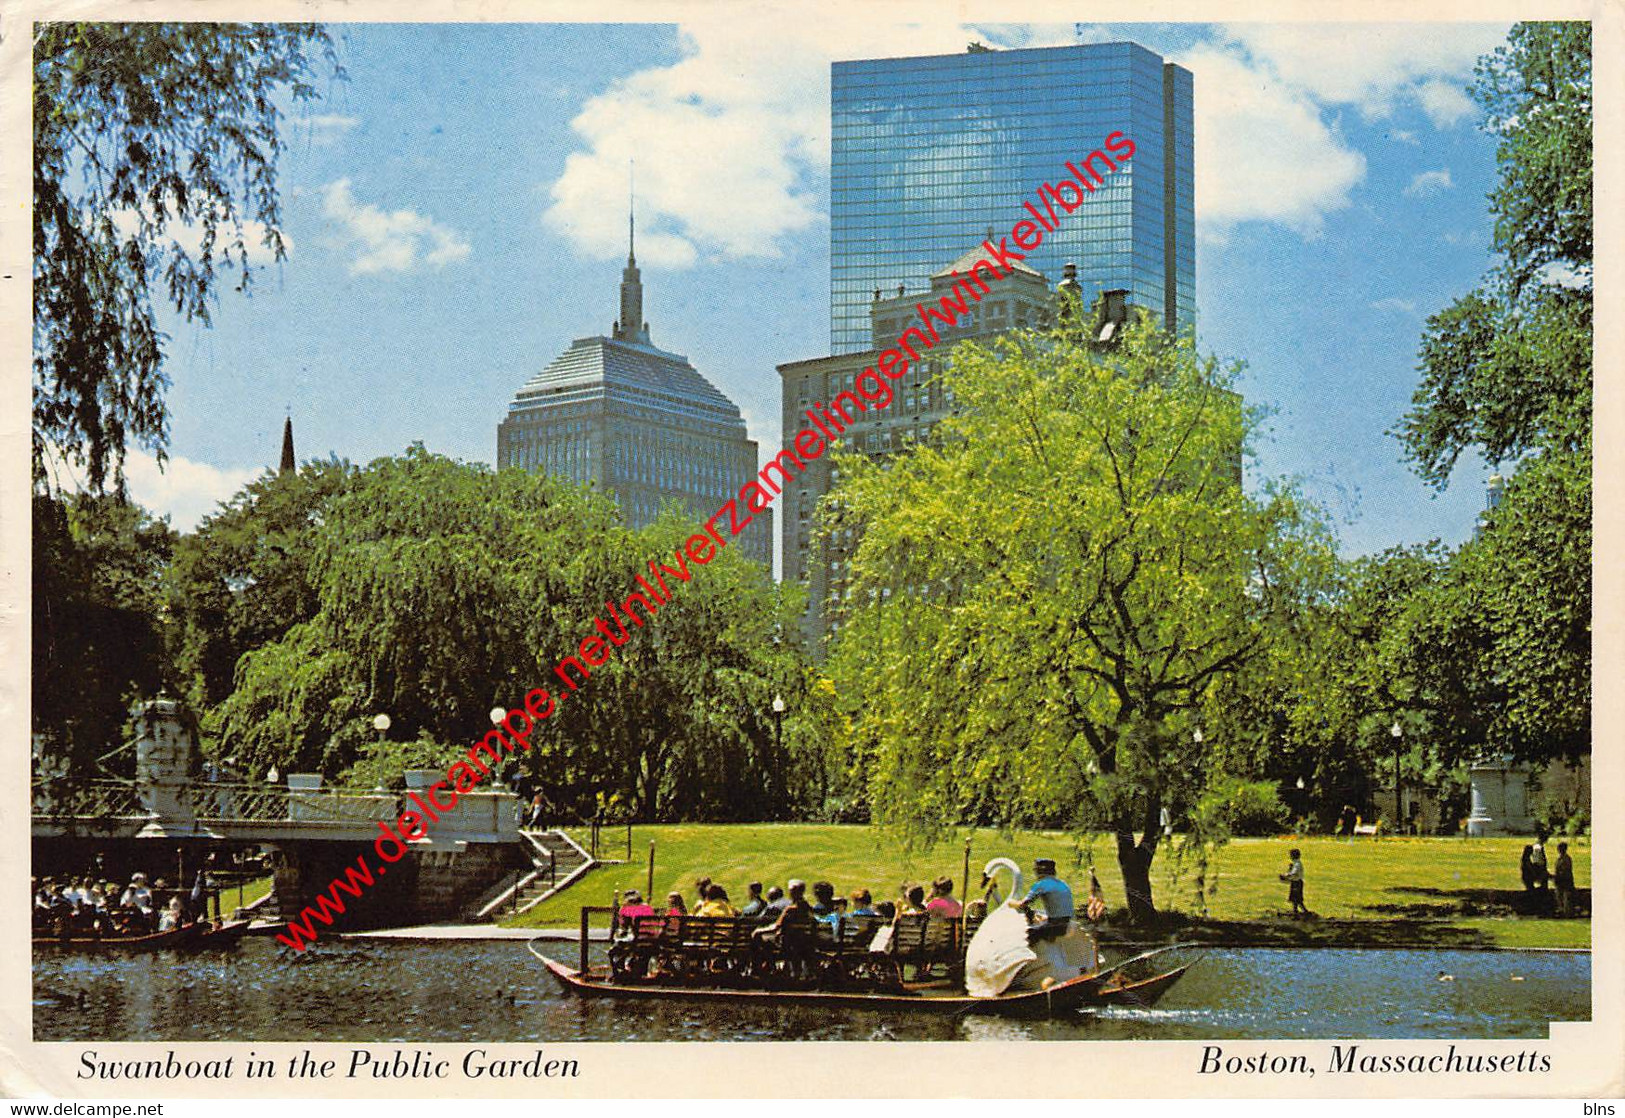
column 473, row 858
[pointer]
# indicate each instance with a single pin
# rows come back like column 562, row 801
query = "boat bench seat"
column 707, row 935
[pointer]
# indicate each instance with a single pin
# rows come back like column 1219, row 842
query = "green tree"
column 1507, row 369
column 1044, row 600
column 438, row 589
column 97, row 622
column 155, row 160
column 244, row 577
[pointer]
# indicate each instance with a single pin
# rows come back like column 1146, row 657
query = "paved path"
column 473, row 932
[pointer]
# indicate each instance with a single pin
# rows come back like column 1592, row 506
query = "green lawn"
column 252, row 891
column 1447, row 891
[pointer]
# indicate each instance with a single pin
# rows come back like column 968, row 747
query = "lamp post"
column 1398, row 734
column 778, row 742
column 497, row 714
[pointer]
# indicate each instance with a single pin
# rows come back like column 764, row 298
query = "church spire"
column 288, row 465
column 631, row 327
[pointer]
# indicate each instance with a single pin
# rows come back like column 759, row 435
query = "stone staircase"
column 557, row 862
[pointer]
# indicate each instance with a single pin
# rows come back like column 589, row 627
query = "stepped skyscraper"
column 635, row 421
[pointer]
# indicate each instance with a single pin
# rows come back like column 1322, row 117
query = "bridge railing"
column 98, row 799
column 270, row 803
column 273, row 803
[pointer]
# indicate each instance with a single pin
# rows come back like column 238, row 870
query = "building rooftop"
column 966, row 262
column 598, row 366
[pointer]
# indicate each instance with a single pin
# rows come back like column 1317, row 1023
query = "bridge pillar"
column 163, row 761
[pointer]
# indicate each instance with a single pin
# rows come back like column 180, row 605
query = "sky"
column 456, row 212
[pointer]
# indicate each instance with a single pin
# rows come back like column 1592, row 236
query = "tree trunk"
column 1134, row 861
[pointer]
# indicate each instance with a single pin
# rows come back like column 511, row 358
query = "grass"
column 1389, row 891
column 252, row 891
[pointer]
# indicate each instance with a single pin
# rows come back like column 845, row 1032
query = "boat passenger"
column 886, row 911
column 702, row 891
column 138, row 895
column 633, row 906
column 777, row 902
column 861, row 904
column 754, row 906
column 716, row 903
column 675, row 905
column 1056, row 898
column 823, row 899
column 913, row 899
column 172, row 917
column 790, row 932
column 942, row 901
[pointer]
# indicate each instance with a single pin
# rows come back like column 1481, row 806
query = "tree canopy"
column 1507, row 367
column 1043, row 600
column 1507, row 370
column 431, row 590
column 155, row 164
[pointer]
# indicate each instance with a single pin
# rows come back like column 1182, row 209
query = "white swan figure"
column 999, row 957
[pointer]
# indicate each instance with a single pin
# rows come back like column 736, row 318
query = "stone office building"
column 921, row 401
column 637, row 422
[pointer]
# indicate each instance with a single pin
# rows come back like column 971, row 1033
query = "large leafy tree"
column 437, row 585
column 1507, row 370
column 1043, row 601
column 1507, row 367
column 97, row 639
column 244, row 577
column 155, row 173
column 434, row 590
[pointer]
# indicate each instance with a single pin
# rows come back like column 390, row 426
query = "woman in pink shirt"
column 942, row 901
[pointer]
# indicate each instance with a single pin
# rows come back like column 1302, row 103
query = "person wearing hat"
column 1053, row 894
column 138, row 895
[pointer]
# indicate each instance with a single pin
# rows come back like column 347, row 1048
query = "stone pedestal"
column 1500, row 798
column 491, row 816
column 163, row 762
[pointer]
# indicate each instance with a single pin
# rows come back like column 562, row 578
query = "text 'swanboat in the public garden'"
column 825, row 423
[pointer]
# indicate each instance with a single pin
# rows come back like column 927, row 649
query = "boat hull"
column 159, row 941
column 1058, row 1000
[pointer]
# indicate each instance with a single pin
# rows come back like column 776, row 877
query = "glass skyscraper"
column 930, row 155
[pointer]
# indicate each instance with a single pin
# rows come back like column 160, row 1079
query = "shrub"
column 1245, row 807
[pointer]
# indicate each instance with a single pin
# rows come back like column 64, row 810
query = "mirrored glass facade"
column 930, row 155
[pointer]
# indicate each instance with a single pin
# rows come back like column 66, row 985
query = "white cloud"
column 1263, row 150
column 189, row 238
column 729, row 140
column 326, row 128
column 1375, row 67
column 1395, row 306
column 1445, row 103
column 389, row 241
column 185, row 491
column 1400, row 135
column 1564, row 274
column 1430, row 182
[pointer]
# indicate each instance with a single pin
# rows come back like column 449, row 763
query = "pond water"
column 374, row 990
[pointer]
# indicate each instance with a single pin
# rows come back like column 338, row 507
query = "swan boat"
column 984, row 969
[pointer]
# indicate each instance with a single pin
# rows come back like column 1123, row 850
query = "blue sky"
column 457, row 216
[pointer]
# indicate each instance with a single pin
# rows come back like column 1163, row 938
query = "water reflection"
column 376, row 991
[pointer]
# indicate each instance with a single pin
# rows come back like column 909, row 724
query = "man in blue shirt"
column 1056, row 898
